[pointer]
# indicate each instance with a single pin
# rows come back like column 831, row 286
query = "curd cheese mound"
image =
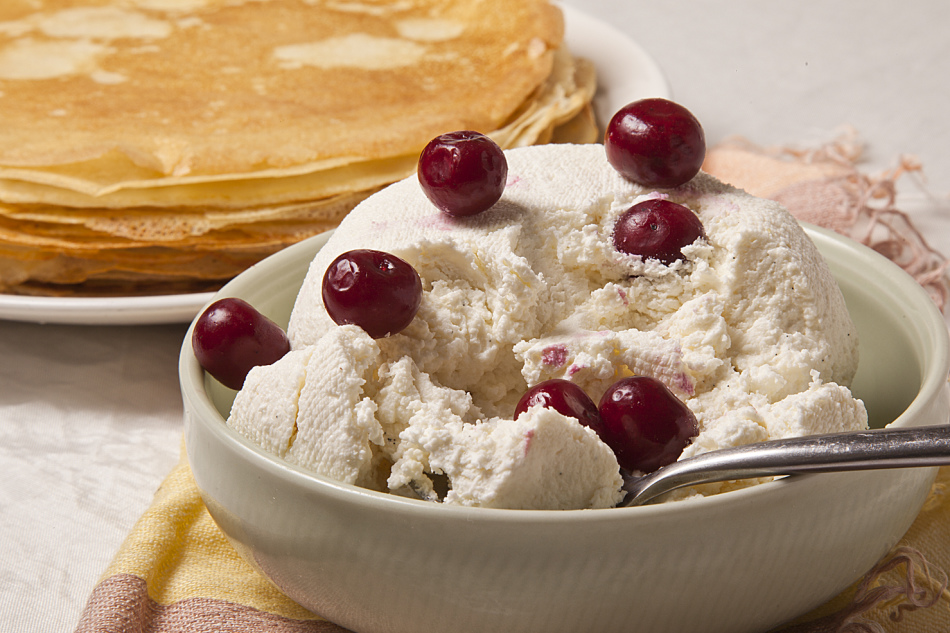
column 750, row 330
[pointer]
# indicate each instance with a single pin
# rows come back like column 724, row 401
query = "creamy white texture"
column 750, row 330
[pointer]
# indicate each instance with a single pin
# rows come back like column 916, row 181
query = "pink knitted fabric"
column 823, row 185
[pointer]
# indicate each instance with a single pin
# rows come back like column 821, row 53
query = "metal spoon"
column 861, row 450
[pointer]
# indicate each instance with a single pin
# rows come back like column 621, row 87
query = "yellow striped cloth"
column 176, row 572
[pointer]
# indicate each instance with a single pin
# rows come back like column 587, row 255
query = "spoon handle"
column 862, row 450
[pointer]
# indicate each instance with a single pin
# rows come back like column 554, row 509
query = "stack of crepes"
column 155, row 146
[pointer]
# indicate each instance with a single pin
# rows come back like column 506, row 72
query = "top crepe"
column 99, row 97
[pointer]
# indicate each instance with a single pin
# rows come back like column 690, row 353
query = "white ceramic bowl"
column 741, row 561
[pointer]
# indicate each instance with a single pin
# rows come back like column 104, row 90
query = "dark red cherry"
column 645, row 424
column 375, row 290
column 564, row 397
column 657, row 229
column 463, row 173
column 231, row 336
column 655, row 143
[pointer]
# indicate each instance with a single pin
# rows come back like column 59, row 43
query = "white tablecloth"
column 90, row 417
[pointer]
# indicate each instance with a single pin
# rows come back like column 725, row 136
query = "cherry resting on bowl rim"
column 655, row 143
column 231, row 336
column 563, row 396
column 463, row 173
column 377, row 291
column 657, row 229
column 644, row 423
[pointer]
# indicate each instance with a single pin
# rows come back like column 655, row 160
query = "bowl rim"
column 193, row 383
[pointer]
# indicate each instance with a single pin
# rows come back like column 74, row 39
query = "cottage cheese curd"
column 750, row 330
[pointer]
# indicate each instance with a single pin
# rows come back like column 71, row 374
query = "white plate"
column 624, row 73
